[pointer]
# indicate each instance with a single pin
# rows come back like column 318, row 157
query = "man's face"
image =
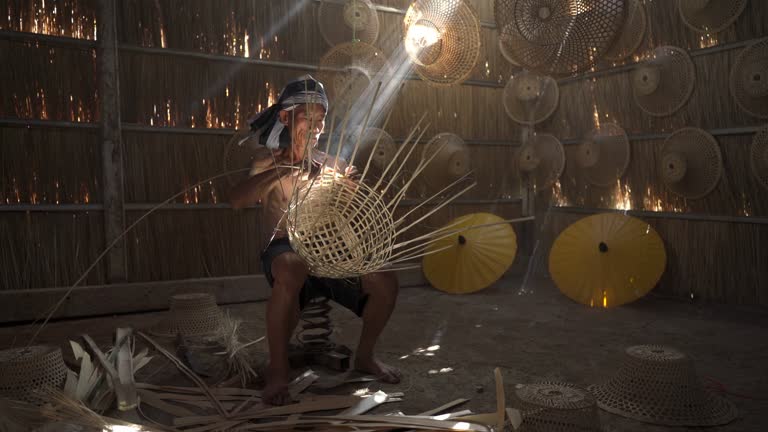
column 306, row 123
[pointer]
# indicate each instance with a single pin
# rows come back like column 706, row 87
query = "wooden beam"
column 112, row 148
column 29, row 304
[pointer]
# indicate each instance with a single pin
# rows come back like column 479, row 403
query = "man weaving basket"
column 286, row 129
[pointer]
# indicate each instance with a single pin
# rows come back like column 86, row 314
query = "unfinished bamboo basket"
column 194, row 314
column 556, row 407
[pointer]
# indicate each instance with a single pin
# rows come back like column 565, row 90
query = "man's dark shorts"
column 346, row 292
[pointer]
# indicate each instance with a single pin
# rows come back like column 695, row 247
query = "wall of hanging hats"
column 663, row 122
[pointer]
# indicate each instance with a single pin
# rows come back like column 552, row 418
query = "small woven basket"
column 26, row 374
column 194, row 314
column 658, row 384
column 556, row 407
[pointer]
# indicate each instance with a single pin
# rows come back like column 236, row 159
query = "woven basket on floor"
column 28, row 373
column 556, row 407
column 195, row 314
column 658, row 385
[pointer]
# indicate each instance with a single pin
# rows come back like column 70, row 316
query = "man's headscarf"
column 267, row 126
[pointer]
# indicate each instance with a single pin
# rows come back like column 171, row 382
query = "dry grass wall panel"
column 48, row 83
column 37, row 166
column 43, row 250
column 158, row 166
column 69, row 18
column 182, row 244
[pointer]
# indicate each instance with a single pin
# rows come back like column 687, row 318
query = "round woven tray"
column 658, row 384
column 28, row 373
column 556, row 407
column 195, row 314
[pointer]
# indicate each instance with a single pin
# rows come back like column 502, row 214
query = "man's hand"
column 351, row 172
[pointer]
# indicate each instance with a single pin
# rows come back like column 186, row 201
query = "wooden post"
column 111, row 140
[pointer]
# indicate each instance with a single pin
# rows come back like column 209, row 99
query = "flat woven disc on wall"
column 690, row 163
column 558, row 36
column 710, row 16
column 658, row 384
column 451, row 161
column 530, row 98
column 603, row 156
column 348, row 21
column 348, row 69
column 664, row 83
column 442, row 38
column 377, row 145
column 758, row 156
column 749, row 79
column 632, row 32
column 541, row 161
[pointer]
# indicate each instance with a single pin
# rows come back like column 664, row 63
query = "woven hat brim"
column 721, row 411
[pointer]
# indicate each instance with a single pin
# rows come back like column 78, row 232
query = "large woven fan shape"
column 664, row 83
column 749, row 79
column 348, row 21
column 710, row 16
column 557, row 36
column 541, row 161
column 690, row 163
column 632, row 33
column 530, row 98
column 451, row 161
column 759, row 156
column 348, row 69
column 603, row 156
column 442, row 38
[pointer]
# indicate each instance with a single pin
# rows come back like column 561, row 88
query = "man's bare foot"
column 276, row 390
column 383, row 372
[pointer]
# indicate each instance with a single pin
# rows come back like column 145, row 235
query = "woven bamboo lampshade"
column 471, row 259
column 690, row 163
column 556, row 407
column 442, row 38
column 557, row 36
column 710, row 16
column 348, row 69
column 664, row 83
column 632, row 32
column 348, row 21
column 758, row 156
column 658, row 384
column 341, row 228
column 603, row 156
column 530, row 98
column 607, row 260
column 193, row 314
column 28, row 373
column 541, row 161
column 451, row 161
column 749, row 79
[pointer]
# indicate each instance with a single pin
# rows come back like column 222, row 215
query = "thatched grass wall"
column 48, row 83
column 49, row 249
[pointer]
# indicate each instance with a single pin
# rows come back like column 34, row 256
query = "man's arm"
column 250, row 191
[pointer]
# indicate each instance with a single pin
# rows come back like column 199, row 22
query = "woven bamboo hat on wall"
column 658, row 384
column 26, row 373
column 556, row 407
column 192, row 314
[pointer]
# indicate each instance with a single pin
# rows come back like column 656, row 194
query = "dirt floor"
column 448, row 345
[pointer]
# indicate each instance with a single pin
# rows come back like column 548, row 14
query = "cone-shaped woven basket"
column 194, row 314
column 556, row 407
column 28, row 373
column 658, row 384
